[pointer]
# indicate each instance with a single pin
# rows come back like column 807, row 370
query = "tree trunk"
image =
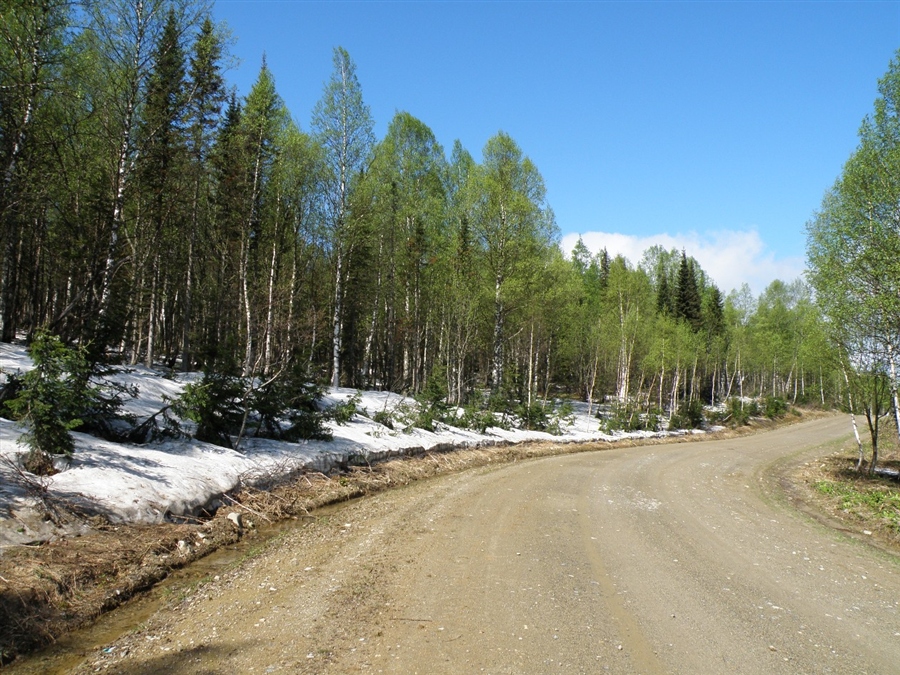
column 894, row 400
column 530, row 363
column 497, row 355
column 189, row 282
column 270, row 309
column 8, row 217
column 292, row 291
column 337, row 320
column 859, row 446
column 151, row 315
column 370, row 335
column 245, row 297
column 873, row 419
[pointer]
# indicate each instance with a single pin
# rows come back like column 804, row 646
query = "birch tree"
column 342, row 124
column 853, row 242
column 512, row 226
column 407, row 170
column 123, row 37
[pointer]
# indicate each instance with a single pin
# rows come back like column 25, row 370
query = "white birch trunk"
column 859, row 446
column 245, row 297
column 894, row 400
column 270, row 310
column 337, row 321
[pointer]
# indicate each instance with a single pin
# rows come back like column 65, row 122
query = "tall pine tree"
column 687, row 295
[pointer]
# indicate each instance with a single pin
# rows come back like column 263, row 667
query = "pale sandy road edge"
column 784, row 484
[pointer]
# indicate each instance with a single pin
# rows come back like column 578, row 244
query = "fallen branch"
column 255, row 513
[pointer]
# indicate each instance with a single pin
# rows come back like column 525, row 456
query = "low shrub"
column 384, row 418
column 532, row 417
column 739, row 411
column 55, row 398
column 344, row 411
column 623, row 417
column 223, row 406
column 774, row 407
column 689, row 416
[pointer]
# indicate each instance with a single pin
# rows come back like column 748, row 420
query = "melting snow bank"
column 163, row 480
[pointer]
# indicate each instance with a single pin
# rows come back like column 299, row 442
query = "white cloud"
column 730, row 257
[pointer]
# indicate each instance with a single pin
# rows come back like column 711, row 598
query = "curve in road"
column 659, row 559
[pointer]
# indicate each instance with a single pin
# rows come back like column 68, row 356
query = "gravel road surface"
column 681, row 558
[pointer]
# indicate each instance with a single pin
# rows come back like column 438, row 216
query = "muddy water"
column 72, row 649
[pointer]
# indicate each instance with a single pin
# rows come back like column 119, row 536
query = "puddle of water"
column 73, row 649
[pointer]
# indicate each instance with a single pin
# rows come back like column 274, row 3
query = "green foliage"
column 739, row 412
column 283, row 408
column 687, row 294
column 425, row 418
column 435, row 390
column 214, row 404
column 533, row 417
column 878, row 500
column 689, row 416
column 344, row 411
column 477, row 419
column 292, row 399
column 853, row 250
column 52, row 399
column 236, row 238
column 628, row 417
column 774, row 407
column 563, row 415
column 384, row 418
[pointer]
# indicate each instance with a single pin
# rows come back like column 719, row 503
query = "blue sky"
column 713, row 126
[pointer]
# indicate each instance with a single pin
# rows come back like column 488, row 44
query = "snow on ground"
column 153, row 482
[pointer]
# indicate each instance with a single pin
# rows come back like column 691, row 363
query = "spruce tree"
column 664, row 301
column 33, row 45
column 263, row 119
column 221, row 287
column 161, row 171
column 53, row 399
column 604, row 268
column 687, row 295
column 205, row 99
column 714, row 312
column 161, row 127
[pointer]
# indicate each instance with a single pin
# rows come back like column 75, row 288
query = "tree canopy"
column 152, row 215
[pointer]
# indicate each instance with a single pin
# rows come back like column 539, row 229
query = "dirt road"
column 662, row 559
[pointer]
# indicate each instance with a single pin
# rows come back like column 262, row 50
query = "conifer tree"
column 33, row 48
column 263, row 119
column 664, row 301
column 206, row 97
column 162, row 164
column 223, row 291
column 687, row 295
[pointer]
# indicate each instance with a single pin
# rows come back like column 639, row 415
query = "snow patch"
column 158, row 481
